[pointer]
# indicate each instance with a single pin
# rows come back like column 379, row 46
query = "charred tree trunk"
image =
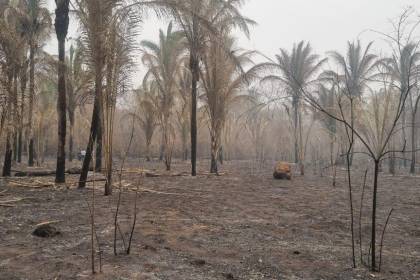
column 93, row 130
column 61, row 28
column 7, row 166
column 31, row 102
column 194, row 67
column 404, row 137
column 71, row 135
column 15, row 145
column 374, row 202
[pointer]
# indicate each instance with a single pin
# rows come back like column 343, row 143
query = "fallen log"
column 43, row 173
column 37, row 173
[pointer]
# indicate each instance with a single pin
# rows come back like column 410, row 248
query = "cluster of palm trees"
column 202, row 49
column 99, row 68
column 24, row 27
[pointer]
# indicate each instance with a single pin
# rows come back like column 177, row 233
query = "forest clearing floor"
column 241, row 225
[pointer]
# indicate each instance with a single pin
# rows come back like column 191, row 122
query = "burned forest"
column 210, row 139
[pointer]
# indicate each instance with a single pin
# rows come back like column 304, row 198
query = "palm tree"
column 296, row 71
column 95, row 17
column 78, row 86
column 34, row 23
column 197, row 19
column 256, row 120
column 183, row 108
column 108, row 32
column 147, row 108
column 118, row 68
column 355, row 71
column 164, row 61
column 327, row 96
column 403, row 68
column 11, row 46
column 61, row 28
column 222, row 81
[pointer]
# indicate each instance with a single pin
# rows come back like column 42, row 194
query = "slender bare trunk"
column 15, row 115
column 374, row 203
column 31, row 102
column 22, row 111
column 413, row 144
column 194, row 67
column 295, row 129
column 99, row 137
column 71, row 137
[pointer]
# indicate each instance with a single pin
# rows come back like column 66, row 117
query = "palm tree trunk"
column 184, row 145
column 7, row 166
column 20, row 141
column 15, row 116
column 301, row 147
column 194, row 67
column 98, row 162
column 214, row 152
column 15, row 145
column 61, row 28
column 295, row 128
column 22, row 111
column 93, row 130
column 71, row 135
column 31, row 102
column 162, row 146
column 220, row 156
column 413, row 144
column 147, row 151
column 373, row 228
column 404, row 139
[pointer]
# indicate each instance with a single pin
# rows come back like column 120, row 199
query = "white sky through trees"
column 327, row 24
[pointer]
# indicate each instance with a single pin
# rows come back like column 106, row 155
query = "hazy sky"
column 327, row 24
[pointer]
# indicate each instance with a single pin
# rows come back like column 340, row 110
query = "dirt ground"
column 240, row 225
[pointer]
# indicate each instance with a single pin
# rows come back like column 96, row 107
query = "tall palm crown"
column 404, row 68
column 356, row 70
column 163, row 60
column 147, row 105
column 199, row 18
column 296, row 70
column 34, row 20
column 223, row 78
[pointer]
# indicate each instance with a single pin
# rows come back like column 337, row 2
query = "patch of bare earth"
column 241, row 225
